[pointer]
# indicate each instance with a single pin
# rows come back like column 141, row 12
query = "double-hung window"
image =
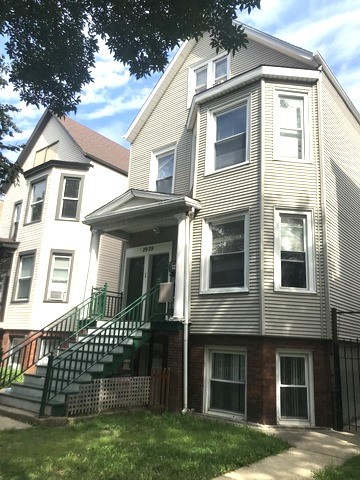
column 201, row 75
column 162, row 171
column 24, row 276
column 36, row 204
column 294, row 387
column 225, row 386
column 292, row 134
column 225, row 255
column 230, row 145
column 16, row 220
column 70, row 195
column 294, row 255
column 59, row 277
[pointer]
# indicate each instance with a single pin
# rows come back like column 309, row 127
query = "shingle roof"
column 96, row 145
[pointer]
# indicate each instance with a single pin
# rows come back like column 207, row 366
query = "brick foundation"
column 261, row 374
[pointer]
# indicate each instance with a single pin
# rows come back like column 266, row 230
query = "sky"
column 112, row 101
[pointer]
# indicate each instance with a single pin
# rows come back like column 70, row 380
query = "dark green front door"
column 160, row 274
column 135, row 279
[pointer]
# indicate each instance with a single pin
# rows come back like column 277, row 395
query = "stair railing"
column 64, row 370
column 49, row 339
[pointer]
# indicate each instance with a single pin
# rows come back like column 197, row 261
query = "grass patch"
column 350, row 470
column 139, row 445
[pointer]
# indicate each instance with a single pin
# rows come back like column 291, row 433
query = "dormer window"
column 46, row 154
column 208, row 74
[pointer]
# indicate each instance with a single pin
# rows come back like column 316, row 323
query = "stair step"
column 32, row 405
column 34, row 392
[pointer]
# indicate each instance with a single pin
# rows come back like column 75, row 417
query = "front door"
column 145, row 267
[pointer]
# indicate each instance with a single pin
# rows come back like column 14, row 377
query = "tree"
column 52, row 44
column 9, row 172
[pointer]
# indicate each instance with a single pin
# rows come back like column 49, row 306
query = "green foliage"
column 9, row 172
column 137, row 445
column 52, row 44
column 350, row 470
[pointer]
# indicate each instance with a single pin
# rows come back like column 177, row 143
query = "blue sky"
column 111, row 102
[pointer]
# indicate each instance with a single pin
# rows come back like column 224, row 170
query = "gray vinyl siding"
column 342, row 179
column 109, row 262
column 292, row 185
column 232, row 191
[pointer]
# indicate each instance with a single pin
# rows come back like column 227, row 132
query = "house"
column 48, row 257
column 244, row 177
column 243, row 205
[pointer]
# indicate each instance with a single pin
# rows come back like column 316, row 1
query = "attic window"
column 208, row 74
column 46, row 154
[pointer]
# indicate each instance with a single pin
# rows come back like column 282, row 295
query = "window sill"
column 27, row 300
column 55, row 301
column 67, row 219
column 292, row 160
column 226, row 414
column 301, row 291
column 215, row 291
column 32, row 223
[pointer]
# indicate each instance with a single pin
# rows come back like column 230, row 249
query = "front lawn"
column 138, row 445
column 350, row 470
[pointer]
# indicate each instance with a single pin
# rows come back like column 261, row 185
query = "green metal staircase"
column 94, row 350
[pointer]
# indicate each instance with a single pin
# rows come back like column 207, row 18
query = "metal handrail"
column 65, row 369
column 19, row 359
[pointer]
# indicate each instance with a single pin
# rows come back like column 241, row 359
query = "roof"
column 313, row 60
column 96, row 146
column 92, row 144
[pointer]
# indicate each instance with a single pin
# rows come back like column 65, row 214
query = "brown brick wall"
column 261, row 374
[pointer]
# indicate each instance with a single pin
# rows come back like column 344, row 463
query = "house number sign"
column 148, row 249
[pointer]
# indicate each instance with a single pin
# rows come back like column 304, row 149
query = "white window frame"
column 31, row 203
column 309, row 250
column 64, row 295
column 309, row 377
column 154, row 165
column 206, row 251
column 211, row 81
column 209, row 350
column 211, row 134
column 14, row 231
column 61, row 198
column 306, row 123
column 18, row 277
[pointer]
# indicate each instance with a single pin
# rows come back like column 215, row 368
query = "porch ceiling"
column 138, row 211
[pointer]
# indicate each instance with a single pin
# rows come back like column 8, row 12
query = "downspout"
column 187, row 285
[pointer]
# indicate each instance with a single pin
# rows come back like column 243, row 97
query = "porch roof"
column 138, row 211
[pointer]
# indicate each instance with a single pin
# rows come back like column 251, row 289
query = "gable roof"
column 93, row 145
column 313, row 60
column 97, row 146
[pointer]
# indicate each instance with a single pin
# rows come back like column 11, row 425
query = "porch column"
column 93, row 262
column 180, row 269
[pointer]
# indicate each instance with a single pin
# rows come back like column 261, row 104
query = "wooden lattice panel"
column 109, row 393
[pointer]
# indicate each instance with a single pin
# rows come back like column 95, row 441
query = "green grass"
column 350, row 470
column 138, row 445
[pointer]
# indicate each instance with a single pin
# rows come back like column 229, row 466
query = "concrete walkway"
column 312, row 450
column 10, row 424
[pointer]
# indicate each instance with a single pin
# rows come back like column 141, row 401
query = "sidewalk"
column 10, row 424
column 312, row 450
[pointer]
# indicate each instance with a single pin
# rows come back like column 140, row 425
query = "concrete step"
column 35, row 392
column 28, row 404
column 85, row 377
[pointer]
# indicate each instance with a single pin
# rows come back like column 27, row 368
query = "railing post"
column 46, row 385
column 338, row 407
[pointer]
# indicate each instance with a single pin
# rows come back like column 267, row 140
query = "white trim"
column 206, row 250
column 306, row 128
column 309, row 376
column 208, row 351
column 309, row 252
column 154, row 165
column 211, row 133
column 210, row 70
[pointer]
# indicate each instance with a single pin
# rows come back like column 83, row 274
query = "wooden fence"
column 119, row 392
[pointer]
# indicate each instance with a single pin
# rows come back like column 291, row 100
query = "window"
column 16, row 221
column 24, row 277
column 292, row 136
column 69, row 198
column 225, row 255
column 225, row 386
column 46, row 154
column 294, row 262
column 230, row 139
column 37, row 195
column 294, row 387
column 59, row 277
column 208, row 74
column 162, row 171
column 16, row 355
